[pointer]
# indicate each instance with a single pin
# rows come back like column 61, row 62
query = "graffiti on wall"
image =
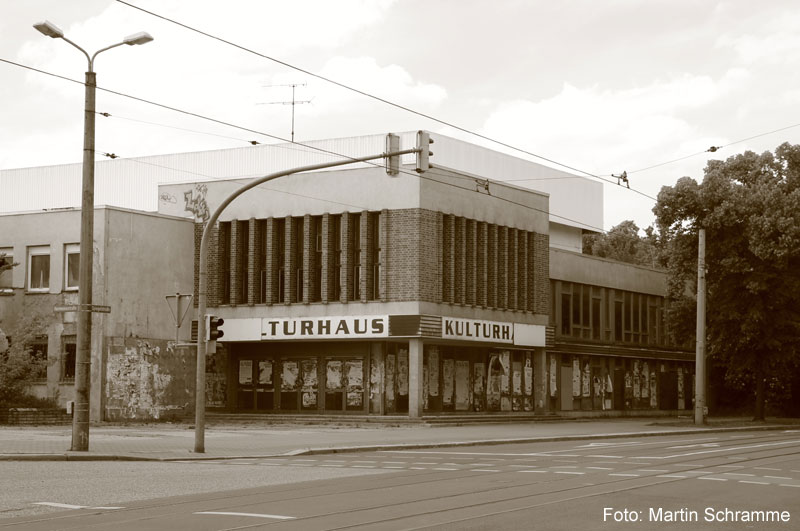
column 146, row 379
column 195, row 202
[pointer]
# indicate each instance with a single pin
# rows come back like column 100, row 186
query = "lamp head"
column 138, row 38
column 49, row 29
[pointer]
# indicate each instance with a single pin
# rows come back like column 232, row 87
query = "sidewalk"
column 165, row 442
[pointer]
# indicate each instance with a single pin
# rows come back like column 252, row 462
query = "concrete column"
column 540, row 381
column 415, row 365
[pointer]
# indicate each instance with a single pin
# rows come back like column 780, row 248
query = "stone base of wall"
column 33, row 417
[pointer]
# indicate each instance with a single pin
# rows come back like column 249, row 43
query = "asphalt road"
column 707, row 481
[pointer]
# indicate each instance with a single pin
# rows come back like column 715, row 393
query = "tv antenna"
column 292, row 103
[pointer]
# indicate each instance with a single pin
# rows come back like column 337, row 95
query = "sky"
column 599, row 86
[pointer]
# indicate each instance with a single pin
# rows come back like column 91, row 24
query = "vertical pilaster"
column 235, row 261
column 347, row 258
column 522, row 303
column 461, row 261
column 253, row 259
column 472, row 262
column 513, row 268
column 450, row 258
column 308, row 258
column 327, row 259
column 271, row 264
column 365, row 244
column 415, row 375
column 502, row 267
column 383, row 239
column 482, row 260
column 290, row 262
column 493, row 261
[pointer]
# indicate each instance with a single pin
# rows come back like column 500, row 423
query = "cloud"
column 603, row 131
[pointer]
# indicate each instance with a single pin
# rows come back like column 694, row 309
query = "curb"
column 77, row 456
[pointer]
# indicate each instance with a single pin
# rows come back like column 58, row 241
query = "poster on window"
column 505, row 361
column 479, row 385
column 245, row 372
column 576, row 377
column 653, row 389
column 289, row 375
column 516, row 377
column 637, row 389
column 425, row 387
column 389, row 381
column 355, row 382
column 310, row 375
column 265, row 372
column 553, row 376
column 528, row 374
column 462, row 385
column 333, row 375
column 645, row 380
column 448, row 375
column 433, row 370
column 681, row 401
column 586, row 381
column 402, row 372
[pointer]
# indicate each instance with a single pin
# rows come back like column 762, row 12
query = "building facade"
column 348, row 291
column 351, row 291
column 139, row 258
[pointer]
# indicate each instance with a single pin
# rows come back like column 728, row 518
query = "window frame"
column 71, row 249
column 37, row 251
column 8, row 258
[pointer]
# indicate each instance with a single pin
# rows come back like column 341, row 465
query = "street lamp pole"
column 83, row 358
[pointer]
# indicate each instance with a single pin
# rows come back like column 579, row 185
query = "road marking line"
column 672, row 476
column 394, row 462
column 564, row 461
column 482, row 470
column 254, row 515
column 444, row 469
column 367, row 466
column 737, row 474
column 763, row 445
column 414, row 468
column 786, row 485
column 363, row 461
column 393, row 467
column 416, row 463
column 764, row 468
column 564, row 466
column 713, row 479
column 484, row 464
column 601, row 468
column 70, row 506
column 754, row 482
column 299, row 460
column 334, row 466
column 730, row 466
column 606, row 456
column 533, row 471
column 776, row 477
column 523, row 466
column 565, row 472
column 653, row 470
column 626, row 475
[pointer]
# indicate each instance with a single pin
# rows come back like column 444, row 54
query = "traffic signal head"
column 424, row 141
column 214, row 324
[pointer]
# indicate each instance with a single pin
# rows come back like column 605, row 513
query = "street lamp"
column 80, row 420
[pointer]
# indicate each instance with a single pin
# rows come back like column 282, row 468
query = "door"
column 565, row 393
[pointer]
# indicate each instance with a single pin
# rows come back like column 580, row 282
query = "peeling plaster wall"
column 148, row 379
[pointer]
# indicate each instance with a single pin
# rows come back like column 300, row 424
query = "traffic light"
column 424, row 141
column 214, row 323
column 393, row 162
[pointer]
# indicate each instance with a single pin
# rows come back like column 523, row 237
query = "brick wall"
column 34, row 417
column 425, row 256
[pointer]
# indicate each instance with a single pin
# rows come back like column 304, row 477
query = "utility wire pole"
column 700, row 350
column 292, row 103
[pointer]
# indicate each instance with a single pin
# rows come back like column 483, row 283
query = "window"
column 72, row 260
column 337, row 257
column 280, row 258
column 356, row 258
column 377, row 254
column 6, row 259
column 38, row 352
column 39, row 268
column 68, row 359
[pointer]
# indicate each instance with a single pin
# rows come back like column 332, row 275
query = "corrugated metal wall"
column 133, row 183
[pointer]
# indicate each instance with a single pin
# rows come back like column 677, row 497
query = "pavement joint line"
column 80, row 456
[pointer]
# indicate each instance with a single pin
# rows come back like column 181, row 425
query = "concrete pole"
column 700, row 351
column 83, row 349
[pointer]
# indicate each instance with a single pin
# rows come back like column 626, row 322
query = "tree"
column 624, row 244
column 750, row 208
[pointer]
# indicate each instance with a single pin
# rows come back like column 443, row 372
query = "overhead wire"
column 372, row 96
column 314, row 148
